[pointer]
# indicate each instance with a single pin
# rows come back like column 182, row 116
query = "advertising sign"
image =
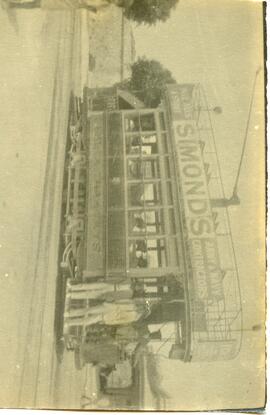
column 181, row 101
column 199, row 220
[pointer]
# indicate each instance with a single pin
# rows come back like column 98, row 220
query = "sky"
column 221, row 48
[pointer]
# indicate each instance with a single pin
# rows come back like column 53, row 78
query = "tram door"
column 165, row 295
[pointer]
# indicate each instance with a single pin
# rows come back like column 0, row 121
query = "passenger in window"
column 147, row 122
column 133, row 141
column 139, row 222
column 135, row 195
column 135, row 145
column 142, row 262
column 132, row 124
column 141, row 246
column 135, row 169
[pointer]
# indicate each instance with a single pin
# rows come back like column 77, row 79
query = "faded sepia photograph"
column 132, row 204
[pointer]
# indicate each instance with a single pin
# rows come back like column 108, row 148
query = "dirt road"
column 34, row 119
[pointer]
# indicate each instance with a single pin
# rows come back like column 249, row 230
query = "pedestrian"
column 86, row 291
column 111, row 314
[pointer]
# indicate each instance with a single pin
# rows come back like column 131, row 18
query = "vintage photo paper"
column 132, row 200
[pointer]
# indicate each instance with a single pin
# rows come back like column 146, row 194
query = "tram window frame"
column 141, row 167
column 149, row 141
column 133, row 147
column 145, row 199
column 130, row 117
column 143, row 144
column 145, row 116
column 138, row 148
column 152, row 252
column 147, row 228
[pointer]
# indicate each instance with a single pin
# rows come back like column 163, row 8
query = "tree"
column 150, row 11
column 148, row 81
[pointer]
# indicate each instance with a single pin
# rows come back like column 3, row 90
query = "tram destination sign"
column 202, row 240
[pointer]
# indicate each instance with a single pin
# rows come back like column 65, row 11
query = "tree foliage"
column 148, row 81
column 150, row 11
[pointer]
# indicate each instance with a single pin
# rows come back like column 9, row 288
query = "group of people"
column 113, row 322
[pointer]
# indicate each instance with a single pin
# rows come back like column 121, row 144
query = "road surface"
column 38, row 74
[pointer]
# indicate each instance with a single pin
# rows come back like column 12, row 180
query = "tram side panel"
column 94, row 264
column 105, row 223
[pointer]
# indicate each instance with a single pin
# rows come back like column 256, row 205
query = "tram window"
column 172, row 225
column 115, row 169
column 147, row 122
column 133, row 144
column 156, row 256
column 169, row 193
column 138, row 253
column 154, row 221
column 145, row 253
column 151, row 169
column 132, row 122
column 136, row 221
column 134, row 169
column 162, row 121
column 149, row 144
column 152, row 194
column 135, row 194
column 150, row 222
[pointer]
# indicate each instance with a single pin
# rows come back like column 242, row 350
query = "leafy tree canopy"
column 150, row 11
column 148, row 81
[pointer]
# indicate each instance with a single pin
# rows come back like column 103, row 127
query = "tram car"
column 143, row 212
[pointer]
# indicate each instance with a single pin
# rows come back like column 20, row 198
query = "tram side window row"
column 149, row 193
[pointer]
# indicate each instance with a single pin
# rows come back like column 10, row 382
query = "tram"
column 143, row 211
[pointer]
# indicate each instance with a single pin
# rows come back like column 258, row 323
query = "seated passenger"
column 135, row 169
column 141, row 246
column 142, row 262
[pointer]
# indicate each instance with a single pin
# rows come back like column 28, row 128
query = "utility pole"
column 246, row 133
column 234, row 199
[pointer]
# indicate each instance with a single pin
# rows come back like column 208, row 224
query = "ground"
column 40, row 62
